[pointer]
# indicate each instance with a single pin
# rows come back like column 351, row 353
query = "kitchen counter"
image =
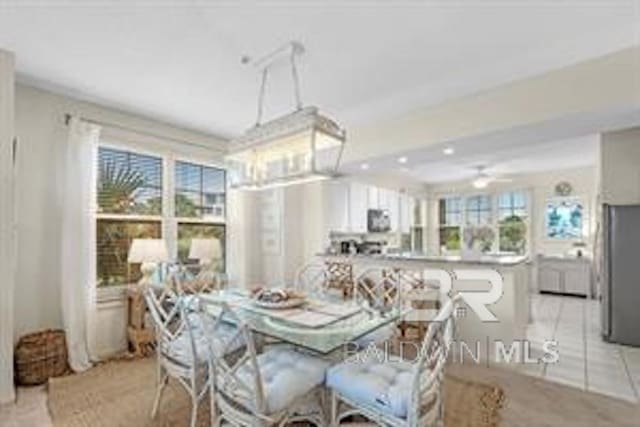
column 486, row 260
column 512, row 309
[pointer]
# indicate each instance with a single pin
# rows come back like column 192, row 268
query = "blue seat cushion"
column 379, row 336
column 382, row 386
column 286, row 375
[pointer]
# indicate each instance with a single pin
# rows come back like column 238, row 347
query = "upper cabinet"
column 347, row 204
column 358, row 205
column 337, row 205
column 406, row 205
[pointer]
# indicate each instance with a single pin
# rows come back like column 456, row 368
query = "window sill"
column 111, row 293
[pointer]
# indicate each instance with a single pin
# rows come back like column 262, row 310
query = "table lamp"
column 149, row 253
column 207, row 251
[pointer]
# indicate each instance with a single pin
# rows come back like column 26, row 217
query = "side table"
column 140, row 335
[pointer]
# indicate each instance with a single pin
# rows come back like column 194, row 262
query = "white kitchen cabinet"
column 565, row 275
column 373, row 197
column 405, row 206
column 337, row 207
column 390, row 201
column 549, row 279
column 357, row 209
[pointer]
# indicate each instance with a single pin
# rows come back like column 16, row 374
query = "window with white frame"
column 450, row 220
column 478, row 210
column 495, row 222
column 132, row 194
column 200, row 204
column 512, row 222
column 478, row 231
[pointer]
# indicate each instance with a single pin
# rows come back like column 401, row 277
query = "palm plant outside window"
column 132, row 192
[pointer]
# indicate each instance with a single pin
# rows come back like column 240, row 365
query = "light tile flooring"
column 30, row 409
column 586, row 361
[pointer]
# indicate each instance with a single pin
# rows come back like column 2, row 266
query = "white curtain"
column 79, row 243
column 7, row 228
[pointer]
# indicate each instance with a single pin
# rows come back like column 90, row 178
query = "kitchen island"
column 512, row 308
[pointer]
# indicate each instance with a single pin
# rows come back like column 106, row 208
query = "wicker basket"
column 39, row 356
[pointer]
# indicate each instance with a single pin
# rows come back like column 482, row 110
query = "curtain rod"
column 67, row 118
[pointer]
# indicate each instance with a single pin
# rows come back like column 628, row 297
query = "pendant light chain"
column 296, row 79
column 296, row 85
column 263, row 86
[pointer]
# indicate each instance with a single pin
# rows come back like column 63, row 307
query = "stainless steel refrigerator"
column 621, row 274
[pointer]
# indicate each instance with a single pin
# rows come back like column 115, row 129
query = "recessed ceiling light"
column 448, row 151
column 403, row 159
column 364, row 166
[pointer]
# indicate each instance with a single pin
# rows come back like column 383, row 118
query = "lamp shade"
column 205, row 249
column 148, row 250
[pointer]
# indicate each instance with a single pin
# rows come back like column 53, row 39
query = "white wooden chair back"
column 238, row 379
column 174, row 331
column 426, row 401
column 312, row 279
column 379, row 288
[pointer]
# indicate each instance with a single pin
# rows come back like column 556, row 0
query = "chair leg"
column 334, row 410
column 162, row 382
column 194, row 409
column 212, row 405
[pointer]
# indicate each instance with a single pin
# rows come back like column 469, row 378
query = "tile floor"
column 586, row 361
column 30, row 409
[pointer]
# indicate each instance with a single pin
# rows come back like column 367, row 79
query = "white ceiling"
column 365, row 60
column 517, row 158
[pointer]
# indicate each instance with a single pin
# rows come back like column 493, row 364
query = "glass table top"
column 348, row 323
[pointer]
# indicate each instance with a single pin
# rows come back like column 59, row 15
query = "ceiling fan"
column 483, row 179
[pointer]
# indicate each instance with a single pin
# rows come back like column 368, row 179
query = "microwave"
column 378, row 221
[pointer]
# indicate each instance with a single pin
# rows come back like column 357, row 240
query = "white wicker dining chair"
column 325, row 279
column 182, row 349
column 395, row 393
column 378, row 290
column 278, row 386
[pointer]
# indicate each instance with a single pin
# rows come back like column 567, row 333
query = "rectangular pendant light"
column 300, row 147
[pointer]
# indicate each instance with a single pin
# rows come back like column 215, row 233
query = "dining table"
column 320, row 324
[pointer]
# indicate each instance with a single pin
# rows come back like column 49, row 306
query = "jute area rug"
column 120, row 393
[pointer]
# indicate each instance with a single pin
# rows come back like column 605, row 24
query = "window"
column 478, row 210
column 512, row 222
column 450, row 217
column 129, row 193
column 114, row 238
column 129, row 183
column 417, row 225
column 200, row 206
column 188, row 231
column 485, row 217
column 132, row 189
column 200, row 191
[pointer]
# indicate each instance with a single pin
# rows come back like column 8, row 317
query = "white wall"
column 7, row 229
column 540, row 187
column 42, row 135
column 620, row 167
column 303, row 233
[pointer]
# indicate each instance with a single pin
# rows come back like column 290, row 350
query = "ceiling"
column 364, row 60
column 506, row 155
column 517, row 158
